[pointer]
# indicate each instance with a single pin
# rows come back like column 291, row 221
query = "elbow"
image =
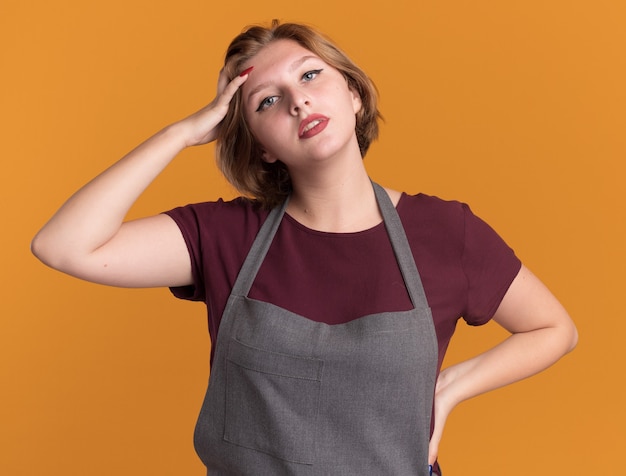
column 61, row 253
column 46, row 251
column 41, row 249
column 566, row 337
column 37, row 247
column 572, row 335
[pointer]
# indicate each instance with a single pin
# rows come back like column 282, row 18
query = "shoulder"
column 451, row 219
column 445, row 224
column 232, row 224
column 430, row 209
column 238, row 212
column 239, row 205
column 434, row 227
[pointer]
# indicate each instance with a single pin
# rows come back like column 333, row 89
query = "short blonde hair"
column 238, row 154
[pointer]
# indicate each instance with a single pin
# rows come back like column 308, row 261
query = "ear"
column 259, row 150
column 267, row 157
column 357, row 104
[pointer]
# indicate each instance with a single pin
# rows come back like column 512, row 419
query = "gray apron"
column 292, row 396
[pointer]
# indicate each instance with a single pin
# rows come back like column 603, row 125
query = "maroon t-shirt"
column 466, row 268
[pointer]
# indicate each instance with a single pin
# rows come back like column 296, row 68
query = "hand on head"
column 201, row 127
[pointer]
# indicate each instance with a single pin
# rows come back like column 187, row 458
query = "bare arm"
column 541, row 333
column 87, row 236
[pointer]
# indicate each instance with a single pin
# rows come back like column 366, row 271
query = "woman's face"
column 298, row 107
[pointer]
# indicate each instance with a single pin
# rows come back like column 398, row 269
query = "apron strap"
column 259, row 249
column 395, row 230
column 400, row 245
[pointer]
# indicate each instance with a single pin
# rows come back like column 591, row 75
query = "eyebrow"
column 293, row 66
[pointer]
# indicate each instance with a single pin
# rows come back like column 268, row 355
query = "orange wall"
column 514, row 107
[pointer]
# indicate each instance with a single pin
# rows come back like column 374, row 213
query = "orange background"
column 517, row 108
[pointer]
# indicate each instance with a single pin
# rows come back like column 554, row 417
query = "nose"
column 299, row 101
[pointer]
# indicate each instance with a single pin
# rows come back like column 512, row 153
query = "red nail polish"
column 246, row 71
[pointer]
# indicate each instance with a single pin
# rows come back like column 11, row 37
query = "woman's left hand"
column 443, row 407
column 541, row 333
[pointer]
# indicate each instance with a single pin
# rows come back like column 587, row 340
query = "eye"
column 267, row 103
column 310, row 75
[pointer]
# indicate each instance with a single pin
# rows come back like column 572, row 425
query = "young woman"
column 334, row 298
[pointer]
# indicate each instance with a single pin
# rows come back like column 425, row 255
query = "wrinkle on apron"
column 292, row 396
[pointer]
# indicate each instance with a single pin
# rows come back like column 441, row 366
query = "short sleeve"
column 490, row 266
column 188, row 221
column 218, row 236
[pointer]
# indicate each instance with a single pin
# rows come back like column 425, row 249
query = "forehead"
column 278, row 50
column 276, row 60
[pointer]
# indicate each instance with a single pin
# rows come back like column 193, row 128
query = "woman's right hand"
column 201, row 127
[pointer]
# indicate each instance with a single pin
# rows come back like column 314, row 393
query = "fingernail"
column 246, row 71
column 430, row 469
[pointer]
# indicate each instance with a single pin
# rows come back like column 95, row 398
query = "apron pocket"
column 272, row 402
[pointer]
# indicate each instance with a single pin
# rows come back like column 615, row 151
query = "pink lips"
column 312, row 125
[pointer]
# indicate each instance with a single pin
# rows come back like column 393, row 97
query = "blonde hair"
column 238, row 154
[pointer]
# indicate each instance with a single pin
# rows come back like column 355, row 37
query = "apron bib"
column 292, row 396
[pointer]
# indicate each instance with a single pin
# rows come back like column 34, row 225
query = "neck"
column 334, row 199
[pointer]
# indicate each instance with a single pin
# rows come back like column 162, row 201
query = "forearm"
column 94, row 214
column 519, row 356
